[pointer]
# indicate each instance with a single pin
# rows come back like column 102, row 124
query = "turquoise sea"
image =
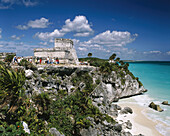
column 155, row 77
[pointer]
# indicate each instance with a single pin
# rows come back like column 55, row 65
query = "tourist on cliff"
column 40, row 60
column 48, row 60
column 30, row 60
column 57, row 60
column 52, row 61
column 15, row 59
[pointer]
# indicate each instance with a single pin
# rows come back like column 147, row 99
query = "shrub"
column 27, row 64
column 9, row 58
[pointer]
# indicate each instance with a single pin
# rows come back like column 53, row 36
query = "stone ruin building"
column 63, row 50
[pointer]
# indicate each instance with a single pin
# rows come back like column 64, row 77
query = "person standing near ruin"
column 40, row 60
column 48, row 60
column 15, row 59
column 57, row 60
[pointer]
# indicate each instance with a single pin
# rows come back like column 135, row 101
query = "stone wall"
column 63, row 43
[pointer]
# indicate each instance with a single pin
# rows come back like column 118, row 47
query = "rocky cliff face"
column 108, row 89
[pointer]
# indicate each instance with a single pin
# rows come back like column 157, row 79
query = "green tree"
column 121, row 62
column 11, row 87
column 89, row 54
column 117, row 59
column 9, row 58
column 112, row 57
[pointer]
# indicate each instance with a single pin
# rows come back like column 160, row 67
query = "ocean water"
column 155, row 77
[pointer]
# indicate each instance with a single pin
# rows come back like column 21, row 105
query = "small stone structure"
column 4, row 54
column 63, row 50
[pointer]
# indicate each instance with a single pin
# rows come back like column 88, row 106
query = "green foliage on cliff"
column 67, row 113
column 9, row 58
column 27, row 64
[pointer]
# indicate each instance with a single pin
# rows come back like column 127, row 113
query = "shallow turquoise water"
column 155, row 77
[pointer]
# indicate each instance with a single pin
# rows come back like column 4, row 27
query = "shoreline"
column 141, row 123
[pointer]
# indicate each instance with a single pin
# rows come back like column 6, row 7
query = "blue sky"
column 133, row 29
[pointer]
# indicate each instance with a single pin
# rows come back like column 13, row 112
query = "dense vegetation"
column 68, row 113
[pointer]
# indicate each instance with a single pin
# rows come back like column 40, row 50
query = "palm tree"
column 121, row 62
column 112, row 57
column 117, row 59
column 11, row 87
column 89, row 54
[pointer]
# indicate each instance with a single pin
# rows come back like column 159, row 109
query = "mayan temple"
column 63, row 50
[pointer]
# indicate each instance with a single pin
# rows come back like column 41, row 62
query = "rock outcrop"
column 155, row 107
column 165, row 103
column 108, row 90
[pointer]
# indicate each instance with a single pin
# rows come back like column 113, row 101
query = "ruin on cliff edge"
column 63, row 50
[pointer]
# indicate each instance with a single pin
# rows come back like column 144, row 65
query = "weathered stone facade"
column 63, row 49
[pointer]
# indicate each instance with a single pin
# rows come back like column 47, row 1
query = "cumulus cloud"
column 38, row 23
column 79, row 27
column 14, row 37
column 108, row 42
column 114, row 38
column 82, row 49
column 0, row 33
column 6, row 4
column 168, row 53
column 49, row 36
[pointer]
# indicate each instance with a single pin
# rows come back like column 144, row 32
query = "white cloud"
column 38, row 23
column 152, row 52
column 49, row 36
column 0, row 33
column 113, row 38
column 29, row 3
column 157, row 52
column 6, row 4
column 22, row 27
column 168, row 52
column 1, row 46
column 14, row 37
column 82, row 49
column 79, row 26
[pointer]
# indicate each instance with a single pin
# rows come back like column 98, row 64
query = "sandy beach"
column 140, row 123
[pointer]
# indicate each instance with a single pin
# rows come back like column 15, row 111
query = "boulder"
column 126, row 110
column 128, row 125
column 29, row 73
column 165, row 103
column 55, row 132
column 155, row 107
column 118, row 127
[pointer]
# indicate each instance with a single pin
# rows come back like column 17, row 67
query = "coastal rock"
column 155, row 107
column 128, row 125
column 126, row 110
column 165, row 103
column 118, row 127
column 55, row 132
column 29, row 73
